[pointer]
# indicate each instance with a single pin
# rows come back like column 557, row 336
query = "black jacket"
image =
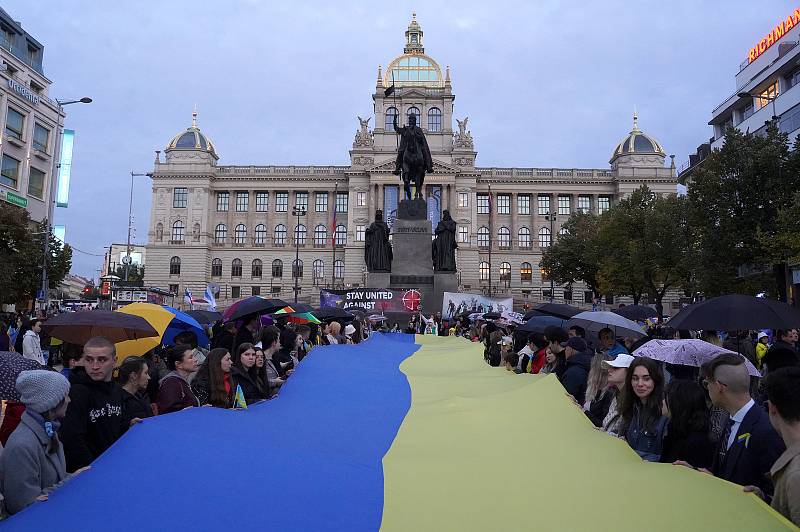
column 598, row 408
column 576, row 373
column 282, row 357
column 243, row 336
column 251, row 389
column 137, row 405
column 95, row 419
column 695, row 448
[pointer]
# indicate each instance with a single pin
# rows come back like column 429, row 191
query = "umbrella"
column 475, row 316
column 252, row 305
column 736, row 312
column 267, row 320
column 377, row 317
column 531, row 313
column 593, row 322
column 302, row 318
column 636, row 312
column 559, row 310
column 78, row 327
column 540, row 323
column 492, row 316
column 687, row 353
column 302, row 307
column 182, row 322
column 204, row 317
column 333, row 313
column 11, row 365
column 513, row 317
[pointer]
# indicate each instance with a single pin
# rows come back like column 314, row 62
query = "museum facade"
column 257, row 230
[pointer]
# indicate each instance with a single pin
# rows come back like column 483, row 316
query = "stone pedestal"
column 412, row 265
column 378, row 279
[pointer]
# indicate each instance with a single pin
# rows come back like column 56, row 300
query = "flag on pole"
column 208, row 297
column 238, row 400
column 187, row 298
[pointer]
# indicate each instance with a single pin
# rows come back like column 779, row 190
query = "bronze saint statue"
column 413, row 156
column 378, row 250
column 444, row 245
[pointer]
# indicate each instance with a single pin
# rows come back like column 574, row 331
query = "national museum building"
column 237, row 226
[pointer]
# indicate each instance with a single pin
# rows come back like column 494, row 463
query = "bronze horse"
column 413, row 157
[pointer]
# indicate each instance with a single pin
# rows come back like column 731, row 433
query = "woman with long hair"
column 687, row 431
column 642, row 422
column 133, row 376
column 213, row 385
column 270, row 340
column 244, row 374
column 598, row 393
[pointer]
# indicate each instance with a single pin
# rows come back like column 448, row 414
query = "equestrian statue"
column 413, row 156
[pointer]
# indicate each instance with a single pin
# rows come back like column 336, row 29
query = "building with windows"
column 236, row 225
column 115, row 257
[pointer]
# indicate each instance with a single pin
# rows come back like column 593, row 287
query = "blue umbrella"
column 183, row 322
column 540, row 323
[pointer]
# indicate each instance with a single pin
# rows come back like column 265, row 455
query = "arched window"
column 341, row 235
column 297, row 268
column 318, row 269
column 504, row 238
column 240, row 234
column 255, row 271
column 236, row 268
column 216, row 268
column 300, row 235
column 338, row 269
column 434, row 120
column 175, row 266
column 220, row 234
column 413, row 111
column 505, row 271
column 526, row 272
column 483, row 237
column 260, row 235
column 280, row 235
column 320, row 236
column 388, row 124
column 277, row 268
column 544, row 237
column 483, row 271
column 177, row 231
column 524, row 237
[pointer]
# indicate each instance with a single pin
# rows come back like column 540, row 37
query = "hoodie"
column 575, row 375
column 94, row 419
column 174, row 393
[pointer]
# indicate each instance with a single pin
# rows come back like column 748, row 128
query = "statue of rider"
column 412, row 134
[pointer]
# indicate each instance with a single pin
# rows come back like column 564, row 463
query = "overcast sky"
column 545, row 83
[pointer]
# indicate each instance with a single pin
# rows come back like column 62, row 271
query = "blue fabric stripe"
column 309, row 460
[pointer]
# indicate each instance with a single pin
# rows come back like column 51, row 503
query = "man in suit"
column 749, row 445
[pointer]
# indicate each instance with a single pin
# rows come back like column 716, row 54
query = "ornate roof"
column 192, row 139
column 638, row 142
column 414, row 68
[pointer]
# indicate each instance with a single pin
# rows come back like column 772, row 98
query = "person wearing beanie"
column 32, row 464
column 576, row 372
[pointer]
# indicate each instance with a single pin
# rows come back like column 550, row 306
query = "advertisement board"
column 372, row 299
column 455, row 303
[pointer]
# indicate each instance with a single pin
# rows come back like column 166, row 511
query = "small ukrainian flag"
column 238, row 400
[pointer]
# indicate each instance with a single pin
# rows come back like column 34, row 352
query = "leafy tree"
column 135, row 273
column 574, row 256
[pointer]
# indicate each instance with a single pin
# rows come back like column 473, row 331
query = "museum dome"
column 414, row 68
column 192, row 139
column 638, row 142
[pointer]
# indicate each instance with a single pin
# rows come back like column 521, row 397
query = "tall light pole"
column 297, row 211
column 551, row 217
column 51, row 203
column 127, row 261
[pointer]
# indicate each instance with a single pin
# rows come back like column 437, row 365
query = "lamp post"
column 128, row 260
column 551, row 217
column 297, row 211
column 51, row 203
column 772, row 99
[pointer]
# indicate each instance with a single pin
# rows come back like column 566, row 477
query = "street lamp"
column 551, row 217
column 127, row 260
column 297, row 211
column 763, row 97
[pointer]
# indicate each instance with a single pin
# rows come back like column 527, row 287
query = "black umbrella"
column 532, row 313
column 11, row 365
column 736, row 312
column 332, row 313
column 540, row 323
column 636, row 312
column 78, row 327
column 205, row 317
column 492, row 316
column 253, row 305
column 559, row 310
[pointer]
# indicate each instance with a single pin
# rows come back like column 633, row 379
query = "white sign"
column 23, row 91
column 455, row 303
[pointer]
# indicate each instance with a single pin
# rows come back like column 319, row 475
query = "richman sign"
column 774, row 36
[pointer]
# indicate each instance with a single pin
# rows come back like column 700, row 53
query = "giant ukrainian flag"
column 396, row 433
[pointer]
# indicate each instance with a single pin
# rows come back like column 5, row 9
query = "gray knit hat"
column 41, row 390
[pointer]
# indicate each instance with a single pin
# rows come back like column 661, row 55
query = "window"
column 483, row 237
column 41, row 137
column 321, row 202
column 504, row 238
column 388, row 124
column 360, row 232
column 361, row 199
column 341, row 202
column 300, row 235
column 301, row 200
column 523, row 203
column 544, row 204
column 320, row 236
column 223, row 198
column 256, row 268
column 463, row 234
column 177, row 231
column 563, row 231
column 220, row 234
column 463, row 199
column 603, row 204
column 236, row 292
column 341, row 235
column 318, row 269
column 544, row 237
column 15, row 124
column 483, row 271
column 588, row 296
column 262, row 201
column 793, row 78
column 564, row 205
column 173, row 289
column 585, row 204
column 281, row 202
column 242, row 199
column 260, row 235
column 526, row 272
column 279, row 238
column 434, row 120
column 175, row 266
column 504, row 204
column 338, row 269
column 505, row 272
column 767, row 95
column 255, row 290
column 524, row 236
column 414, row 111
column 180, row 197
column 236, row 268
column 277, row 268
column 747, row 112
column 483, row 203
column 10, row 172
column 543, row 272
column 240, row 234
column 297, row 269
column 216, row 268
column 36, row 183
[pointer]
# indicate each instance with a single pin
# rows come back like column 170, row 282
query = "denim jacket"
column 648, row 442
